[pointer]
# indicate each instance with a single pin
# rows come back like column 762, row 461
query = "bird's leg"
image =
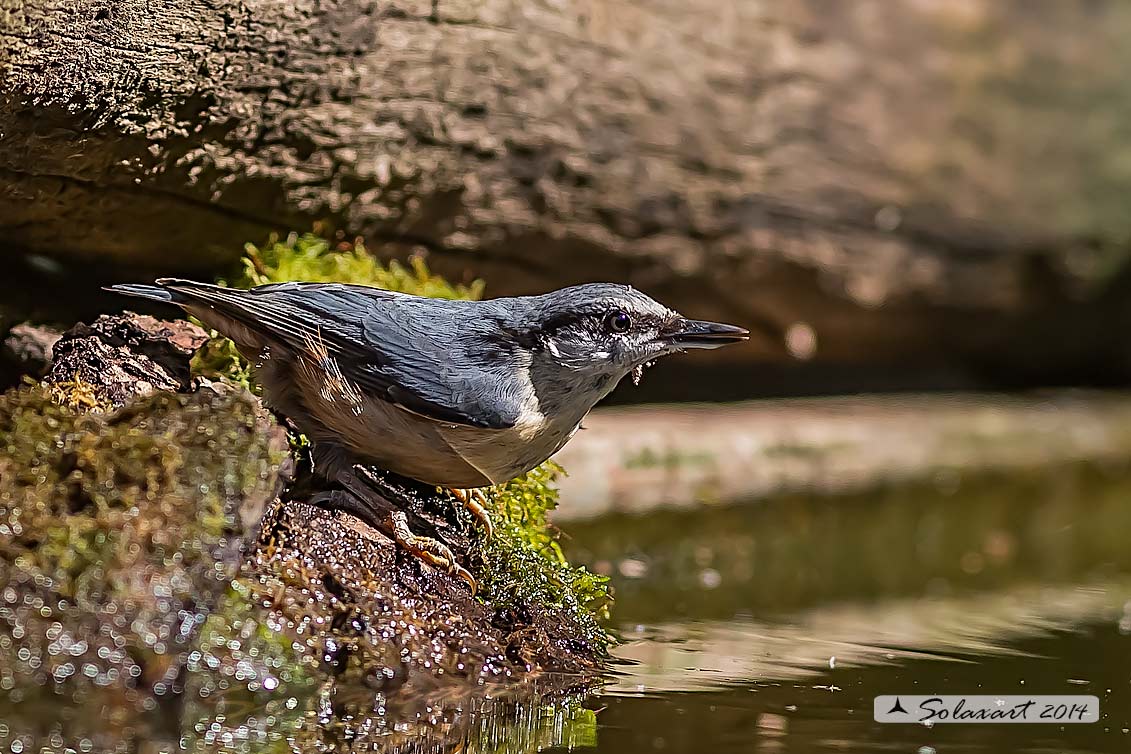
column 431, row 551
column 366, row 510
column 367, row 497
column 395, row 522
column 363, row 501
column 475, row 500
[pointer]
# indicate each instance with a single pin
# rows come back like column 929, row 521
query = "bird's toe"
column 431, row 551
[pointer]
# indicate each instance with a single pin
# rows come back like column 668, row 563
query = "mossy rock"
column 119, row 533
column 139, row 577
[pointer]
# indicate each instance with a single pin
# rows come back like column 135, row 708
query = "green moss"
column 311, row 258
column 219, row 359
column 79, row 395
column 523, row 565
column 118, row 532
column 82, row 479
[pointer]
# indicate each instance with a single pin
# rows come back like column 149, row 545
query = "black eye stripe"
column 595, row 317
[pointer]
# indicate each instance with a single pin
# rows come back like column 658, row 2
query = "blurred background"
column 920, row 194
column 913, row 479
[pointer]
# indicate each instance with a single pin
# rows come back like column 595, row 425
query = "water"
column 767, row 690
column 766, row 627
column 771, row 627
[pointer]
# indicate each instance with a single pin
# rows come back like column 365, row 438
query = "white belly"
column 447, row 455
column 433, row 452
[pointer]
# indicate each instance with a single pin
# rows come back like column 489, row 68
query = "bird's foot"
column 475, row 500
column 370, row 498
column 432, row 551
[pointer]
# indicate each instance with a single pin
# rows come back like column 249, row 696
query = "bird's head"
column 606, row 331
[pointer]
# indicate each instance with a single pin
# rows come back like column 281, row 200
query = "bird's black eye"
column 618, row 321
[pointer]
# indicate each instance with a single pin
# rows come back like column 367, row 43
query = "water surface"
column 770, row 627
column 766, row 627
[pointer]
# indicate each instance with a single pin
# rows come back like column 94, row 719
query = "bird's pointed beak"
column 691, row 333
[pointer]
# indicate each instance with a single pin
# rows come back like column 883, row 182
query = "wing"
column 399, row 348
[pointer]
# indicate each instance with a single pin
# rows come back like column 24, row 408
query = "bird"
column 459, row 394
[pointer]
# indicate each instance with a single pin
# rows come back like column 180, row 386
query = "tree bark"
column 918, row 182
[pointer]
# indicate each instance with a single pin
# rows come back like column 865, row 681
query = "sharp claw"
column 484, row 517
column 461, row 572
column 435, row 554
column 431, row 551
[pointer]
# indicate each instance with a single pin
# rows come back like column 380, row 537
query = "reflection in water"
column 832, row 712
column 690, row 656
column 771, row 627
column 526, row 718
column 765, row 628
column 1060, row 526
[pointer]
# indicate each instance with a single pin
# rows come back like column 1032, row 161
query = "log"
column 917, row 183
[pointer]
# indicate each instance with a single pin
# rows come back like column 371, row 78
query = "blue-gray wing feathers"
column 403, row 349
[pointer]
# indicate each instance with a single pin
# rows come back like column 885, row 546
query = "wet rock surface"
column 394, row 620
column 146, row 595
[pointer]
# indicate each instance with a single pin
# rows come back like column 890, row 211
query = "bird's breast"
column 504, row 454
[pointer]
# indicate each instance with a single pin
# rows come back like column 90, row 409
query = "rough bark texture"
column 927, row 181
column 123, row 357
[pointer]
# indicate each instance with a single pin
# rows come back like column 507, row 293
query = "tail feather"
column 247, row 319
column 152, row 292
column 173, row 291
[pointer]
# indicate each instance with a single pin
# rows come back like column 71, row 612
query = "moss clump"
column 79, row 395
column 118, row 533
column 522, row 566
column 218, row 359
column 311, row 258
